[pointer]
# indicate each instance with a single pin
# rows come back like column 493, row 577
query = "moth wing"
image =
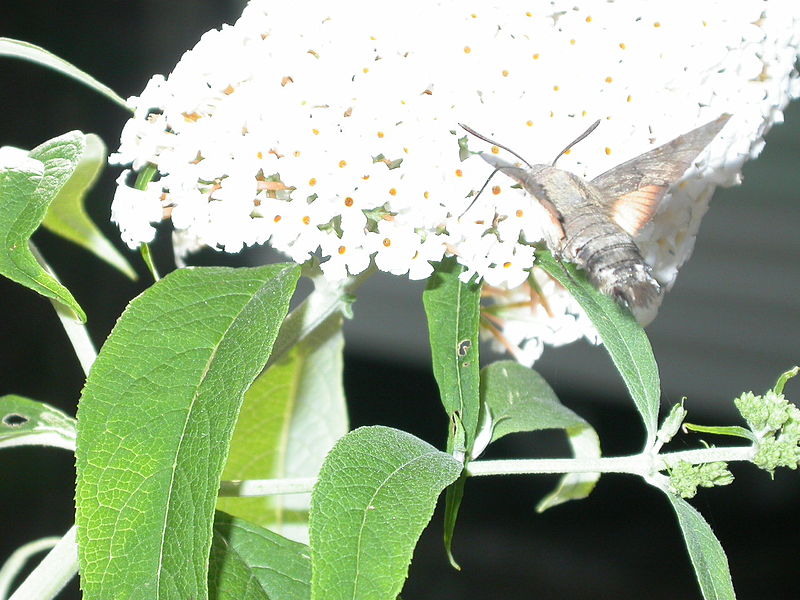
column 633, row 190
column 534, row 188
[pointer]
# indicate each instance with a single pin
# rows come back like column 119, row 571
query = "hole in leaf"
column 14, row 420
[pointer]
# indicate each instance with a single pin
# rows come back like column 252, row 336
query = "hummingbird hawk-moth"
column 592, row 224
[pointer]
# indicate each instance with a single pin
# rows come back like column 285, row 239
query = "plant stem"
column 266, row 487
column 76, row 331
column 53, row 573
column 643, row 464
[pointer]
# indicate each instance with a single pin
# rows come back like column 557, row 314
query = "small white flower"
column 135, row 211
column 347, row 256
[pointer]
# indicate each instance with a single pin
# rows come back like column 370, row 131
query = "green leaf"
column 778, row 389
column 27, row 187
column 68, row 218
column 155, row 421
column 291, row 417
column 519, row 399
column 252, row 563
column 731, row 430
column 375, row 494
column 622, row 336
column 35, row 54
column 26, row 422
column 708, row 558
column 453, row 311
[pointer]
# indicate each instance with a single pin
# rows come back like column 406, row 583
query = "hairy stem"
column 644, row 465
column 76, row 331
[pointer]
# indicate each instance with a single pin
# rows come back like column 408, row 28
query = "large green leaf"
column 708, row 558
column 453, row 311
column 518, row 399
column 26, row 422
column 68, row 218
column 249, row 562
column 28, row 184
column 155, row 421
column 35, row 54
column 291, row 417
column 622, row 336
column 375, row 494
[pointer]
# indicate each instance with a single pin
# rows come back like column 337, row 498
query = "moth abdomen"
column 634, row 286
column 615, row 266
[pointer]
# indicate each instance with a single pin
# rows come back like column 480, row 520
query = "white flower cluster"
column 332, row 128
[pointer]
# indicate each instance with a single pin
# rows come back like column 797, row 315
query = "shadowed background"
column 730, row 324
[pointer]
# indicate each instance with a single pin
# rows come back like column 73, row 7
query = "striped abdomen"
column 609, row 256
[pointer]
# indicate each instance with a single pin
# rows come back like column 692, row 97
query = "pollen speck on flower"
column 495, row 189
column 286, row 79
column 609, row 79
column 494, row 150
column 572, row 42
column 365, row 70
column 656, row 24
column 459, row 173
column 588, row 19
column 296, row 153
column 608, row 150
column 228, row 90
column 387, row 242
column 504, row 73
column 342, row 249
column 259, row 155
column 306, row 220
column 467, row 49
column 556, row 88
column 276, row 218
column 629, row 98
column 392, row 192
column 315, row 131
column 529, row 123
column 506, row 265
column 348, row 201
column 474, row 16
column 622, row 45
column 519, row 213
column 528, row 14
column 312, row 181
column 536, row 56
column 342, row 164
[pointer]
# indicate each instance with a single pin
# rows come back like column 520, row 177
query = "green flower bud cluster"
column 685, row 477
column 776, row 423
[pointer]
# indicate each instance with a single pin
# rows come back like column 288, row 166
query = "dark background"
column 730, row 324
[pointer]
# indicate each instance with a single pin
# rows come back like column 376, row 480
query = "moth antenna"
column 480, row 191
column 592, row 127
column 506, row 148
